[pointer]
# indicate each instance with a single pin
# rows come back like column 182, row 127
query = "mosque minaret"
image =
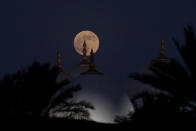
column 162, row 57
column 92, row 66
column 59, row 65
column 84, row 61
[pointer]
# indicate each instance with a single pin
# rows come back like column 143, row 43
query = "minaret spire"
column 92, row 67
column 59, row 65
column 162, row 57
column 84, row 56
column 162, row 52
column 92, row 62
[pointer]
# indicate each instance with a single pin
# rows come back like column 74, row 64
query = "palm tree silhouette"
column 176, row 106
column 69, row 108
column 172, row 77
column 158, row 112
column 28, row 92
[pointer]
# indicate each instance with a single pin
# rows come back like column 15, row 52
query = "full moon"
column 91, row 39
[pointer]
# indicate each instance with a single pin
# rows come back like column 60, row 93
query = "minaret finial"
column 162, row 52
column 84, row 48
column 59, row 60
column 84, row 56
column 162, row 57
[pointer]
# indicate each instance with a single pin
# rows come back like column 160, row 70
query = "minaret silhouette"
column 92, row 62
column 84, row 56
column 162, row 51
column 59, row 65
column 162, row 57
column 92, row 66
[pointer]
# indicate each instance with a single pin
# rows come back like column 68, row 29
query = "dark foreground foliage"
column 31, row 93
column 175, row 107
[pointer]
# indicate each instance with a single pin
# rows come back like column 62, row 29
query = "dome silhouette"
column 101, row 91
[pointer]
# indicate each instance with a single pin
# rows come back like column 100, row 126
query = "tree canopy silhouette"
column 29, row 92
column 173, row 77
column 176, row 106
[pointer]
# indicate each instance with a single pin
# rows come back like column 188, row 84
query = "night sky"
column 129, row 32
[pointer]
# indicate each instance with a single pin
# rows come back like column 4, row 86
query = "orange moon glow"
column 91, row 39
